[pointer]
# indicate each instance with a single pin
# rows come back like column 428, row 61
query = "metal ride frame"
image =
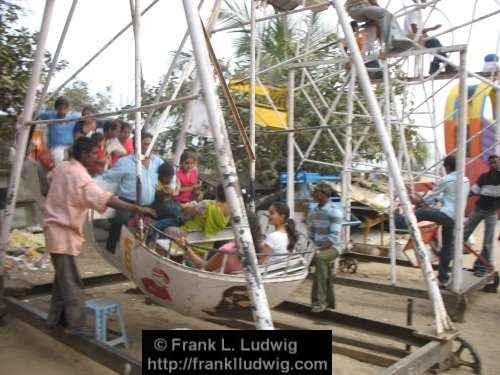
column 463, row 283
column 428, row 352
column 445, row 332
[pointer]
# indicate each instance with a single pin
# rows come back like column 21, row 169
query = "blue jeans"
column 167, row 209
column 447, row 224
column 433, row 43
column 490, row 220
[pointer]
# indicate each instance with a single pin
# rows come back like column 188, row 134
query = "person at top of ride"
column 187, row 175
column 445, row 192
column 324, row 230
column 279, row 243
column 415, row 30
column 87, row 127
column 360, row 41
column 391, row 36
column 226, row 259
column 488, row 189
column 59, row 135
column 124, row 174
column 71, row 194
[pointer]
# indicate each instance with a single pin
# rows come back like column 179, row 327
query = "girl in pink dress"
column 187, row 175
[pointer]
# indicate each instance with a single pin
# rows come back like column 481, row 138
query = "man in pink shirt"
column 71, row 194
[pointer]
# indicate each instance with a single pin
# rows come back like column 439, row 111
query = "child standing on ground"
column 187, row 175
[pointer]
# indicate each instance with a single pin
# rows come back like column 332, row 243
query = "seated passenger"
column 232, row 262
column 114, row 148
column 87, row 127
column 165, row 205
column 187, row 175
column 124, row 137
column 59, row 134
column 391, row 36
column 279, row 243
column 209, row 216
column 102, row 159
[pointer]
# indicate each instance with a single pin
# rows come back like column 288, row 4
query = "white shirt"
column 415, row 17
column 278, row 242
column 446, row 192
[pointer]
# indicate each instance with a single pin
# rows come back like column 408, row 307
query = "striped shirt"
column 325, row 223
column 488, row 188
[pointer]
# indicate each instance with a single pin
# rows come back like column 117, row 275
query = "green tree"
column 279, row 39
column 78, row 95
column 17, row 47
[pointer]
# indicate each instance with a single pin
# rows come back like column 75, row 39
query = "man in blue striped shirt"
column 324, row 230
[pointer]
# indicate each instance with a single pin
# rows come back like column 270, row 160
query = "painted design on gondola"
column 234, row 302
column 157, row 285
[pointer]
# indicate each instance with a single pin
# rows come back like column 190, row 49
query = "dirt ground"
column 24, row 350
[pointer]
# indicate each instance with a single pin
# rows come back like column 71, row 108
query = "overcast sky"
column 96, row 21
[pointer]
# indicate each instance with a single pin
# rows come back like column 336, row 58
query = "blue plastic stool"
column 101, row 309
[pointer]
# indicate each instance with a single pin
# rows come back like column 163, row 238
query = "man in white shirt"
column 414, row 28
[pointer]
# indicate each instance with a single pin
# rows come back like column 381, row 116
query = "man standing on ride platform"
column 325, row 231
column 414, row 28
column 488, row 189
column 72, row 192
column 60, row 134
column 124, row 174
column 445, row 192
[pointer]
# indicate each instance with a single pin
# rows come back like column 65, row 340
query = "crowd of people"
column 89, row 151
column 173, row 197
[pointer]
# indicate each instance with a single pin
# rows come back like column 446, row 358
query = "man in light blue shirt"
column 445, row 192
column 124, row 173
column 324, row 230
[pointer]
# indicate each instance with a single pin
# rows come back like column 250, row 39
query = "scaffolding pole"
column 227, row 170
column 290, row 161
column 460, row 201
column 22, row 143
column 253, row 69
column 55, row 58
column 443, row 322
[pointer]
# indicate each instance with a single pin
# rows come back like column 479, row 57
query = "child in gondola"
column 167, row 189
column 281, row 242
column 187, row 175
column 102, row 158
